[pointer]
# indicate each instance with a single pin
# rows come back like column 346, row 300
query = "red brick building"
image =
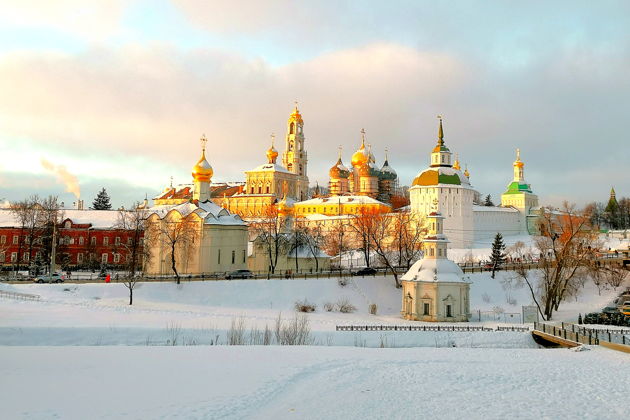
column 85, row 239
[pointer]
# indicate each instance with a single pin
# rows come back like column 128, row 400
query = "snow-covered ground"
column 310, row 383
column 99, row 314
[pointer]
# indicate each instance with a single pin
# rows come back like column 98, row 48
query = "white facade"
column 443, row 187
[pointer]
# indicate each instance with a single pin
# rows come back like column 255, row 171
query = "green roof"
column 517, row 188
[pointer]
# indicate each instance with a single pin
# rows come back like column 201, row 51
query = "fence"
column 492, row 316
column 18, row 296
column 447, row 328
column 583, row 335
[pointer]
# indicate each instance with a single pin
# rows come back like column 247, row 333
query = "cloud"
column 152, row 103
column 93, row 20
column 61, row 173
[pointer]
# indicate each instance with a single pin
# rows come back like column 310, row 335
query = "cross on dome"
column 203, row 140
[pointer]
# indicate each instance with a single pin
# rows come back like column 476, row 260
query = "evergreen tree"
column 101, row 202
column 488, row 202
column 497, row 258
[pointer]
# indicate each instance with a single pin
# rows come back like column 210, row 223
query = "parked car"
column 365, row 271
column 625, row 308
column 610, row 310
column 240, row 274
column 50, row 278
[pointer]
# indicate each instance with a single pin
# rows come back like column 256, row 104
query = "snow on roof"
column 341, row 199
column 98, row 219
column 209, row 211
column 494, row 209
column 270, row 167
column 434, row 270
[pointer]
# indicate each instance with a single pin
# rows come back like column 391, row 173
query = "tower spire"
column 363, row 138
column 340, row 149
column 440, row 132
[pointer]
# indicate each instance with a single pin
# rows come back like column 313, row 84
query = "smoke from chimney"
column 61, row 173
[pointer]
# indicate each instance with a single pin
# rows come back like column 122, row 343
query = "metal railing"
column 18, row 296
column 446, row 328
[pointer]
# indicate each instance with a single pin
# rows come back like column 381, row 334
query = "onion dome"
column 368, row 170
column 518, row 163
column 467, row 173
column 272, row 153
column 339, row 170
column 202, row 171
column 456, row 164
column 285, row 207
column 360, row 157
column 387, row 172
column 296, row 116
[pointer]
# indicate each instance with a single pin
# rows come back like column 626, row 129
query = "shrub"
column 329, row 307
column 305, row 306
column 344, row 306
column 342, row 281
column 373, row 308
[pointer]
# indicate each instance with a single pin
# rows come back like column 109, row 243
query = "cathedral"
column 364, row 178
column 445, row 186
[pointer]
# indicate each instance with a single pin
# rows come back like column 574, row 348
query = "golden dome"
column 272, row 154
column 296, row 116
column 518, row 162
column 467, row 173
column 339, row 170
column 456, row 164
column 284, row 208
column 202, row 171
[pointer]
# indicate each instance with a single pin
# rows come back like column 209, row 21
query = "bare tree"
column 268, row 233
column 176, row 234
column 380, row 233
column 315, row 238
column 362, row 227
column 407, row 232
column 136, row 248
column 614, row 275
column 566, row 247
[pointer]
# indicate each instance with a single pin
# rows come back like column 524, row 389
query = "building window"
column 219, row 259
column 14, row 257
column 26, row 256
column 116, row 258
column 105, row 241
column 93, row 241
column 80, row 258
column 2, row 257
column 68, row 224
column 233, row 256
column 449, row 310
column 426, row 309
column 129, row 241
column 117, row 240
column 267, row 189
column 16, row 239
column 81, row 239
column 3, row 239
column 244, row 255
column 104, row 258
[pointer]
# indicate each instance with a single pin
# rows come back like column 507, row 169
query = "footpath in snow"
column 280, row 382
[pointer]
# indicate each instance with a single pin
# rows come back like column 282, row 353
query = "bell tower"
column 294, row 157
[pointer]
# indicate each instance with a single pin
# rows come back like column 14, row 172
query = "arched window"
column 292, row 128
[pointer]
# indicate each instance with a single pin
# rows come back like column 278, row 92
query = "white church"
column 444, row 188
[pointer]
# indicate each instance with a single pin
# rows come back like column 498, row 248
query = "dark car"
column 365, row 271
column 240, row 274
column 610, row 310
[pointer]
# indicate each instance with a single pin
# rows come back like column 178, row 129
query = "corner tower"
column 519, row 193
column 295, row 156
column 202, row 175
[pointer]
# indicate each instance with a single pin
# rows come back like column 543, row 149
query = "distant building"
column 434, row 288
column 444, row 187
column 84, row 239
column 203, row 237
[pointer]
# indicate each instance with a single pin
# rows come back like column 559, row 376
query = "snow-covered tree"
column 497, row 258
column 101, row 202
column 488, row 201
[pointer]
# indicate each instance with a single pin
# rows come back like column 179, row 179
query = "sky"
column 116, row 94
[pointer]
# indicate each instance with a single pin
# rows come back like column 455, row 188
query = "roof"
column 270, row 167
column 98, row 219
column 210, row 212
column 441, row 175
column 516, row 187
column 434, row 270
column 341, row 199
column 494, row 209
